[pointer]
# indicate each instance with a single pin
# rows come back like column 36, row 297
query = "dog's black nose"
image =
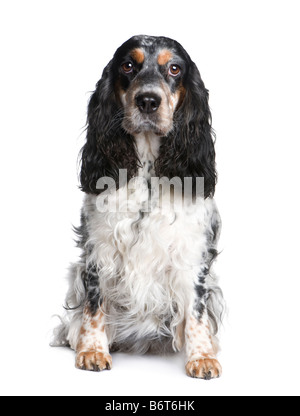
column 148, row 103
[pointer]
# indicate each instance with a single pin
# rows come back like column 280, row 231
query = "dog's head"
column 151, row 75
column 150, row 85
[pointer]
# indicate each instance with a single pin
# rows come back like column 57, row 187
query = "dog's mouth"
column 135, row 122
column 148, row 125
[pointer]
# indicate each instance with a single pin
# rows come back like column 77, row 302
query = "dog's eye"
column 174, row 70
column 127, row 67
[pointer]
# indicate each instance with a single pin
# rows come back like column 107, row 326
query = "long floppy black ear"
column 189, row 150
column 108, row 147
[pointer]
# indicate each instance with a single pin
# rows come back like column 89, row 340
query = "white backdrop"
column 52, row 54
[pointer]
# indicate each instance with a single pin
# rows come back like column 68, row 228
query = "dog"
column 144, row 282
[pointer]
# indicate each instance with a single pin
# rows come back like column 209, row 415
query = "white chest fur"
column 148, row 261
column 148, row 149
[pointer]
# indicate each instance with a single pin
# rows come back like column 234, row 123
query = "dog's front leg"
column 92, row 348
column 200, row 350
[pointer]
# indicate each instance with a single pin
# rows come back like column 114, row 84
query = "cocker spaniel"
column 149, row 224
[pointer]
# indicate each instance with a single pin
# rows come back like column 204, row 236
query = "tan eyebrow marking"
column 138, row 56
column 164, row 57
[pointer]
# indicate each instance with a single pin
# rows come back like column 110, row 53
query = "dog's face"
column 150, row 74
column 150, row 85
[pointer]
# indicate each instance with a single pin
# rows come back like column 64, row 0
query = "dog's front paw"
column 206, row 369
column 93, row 361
